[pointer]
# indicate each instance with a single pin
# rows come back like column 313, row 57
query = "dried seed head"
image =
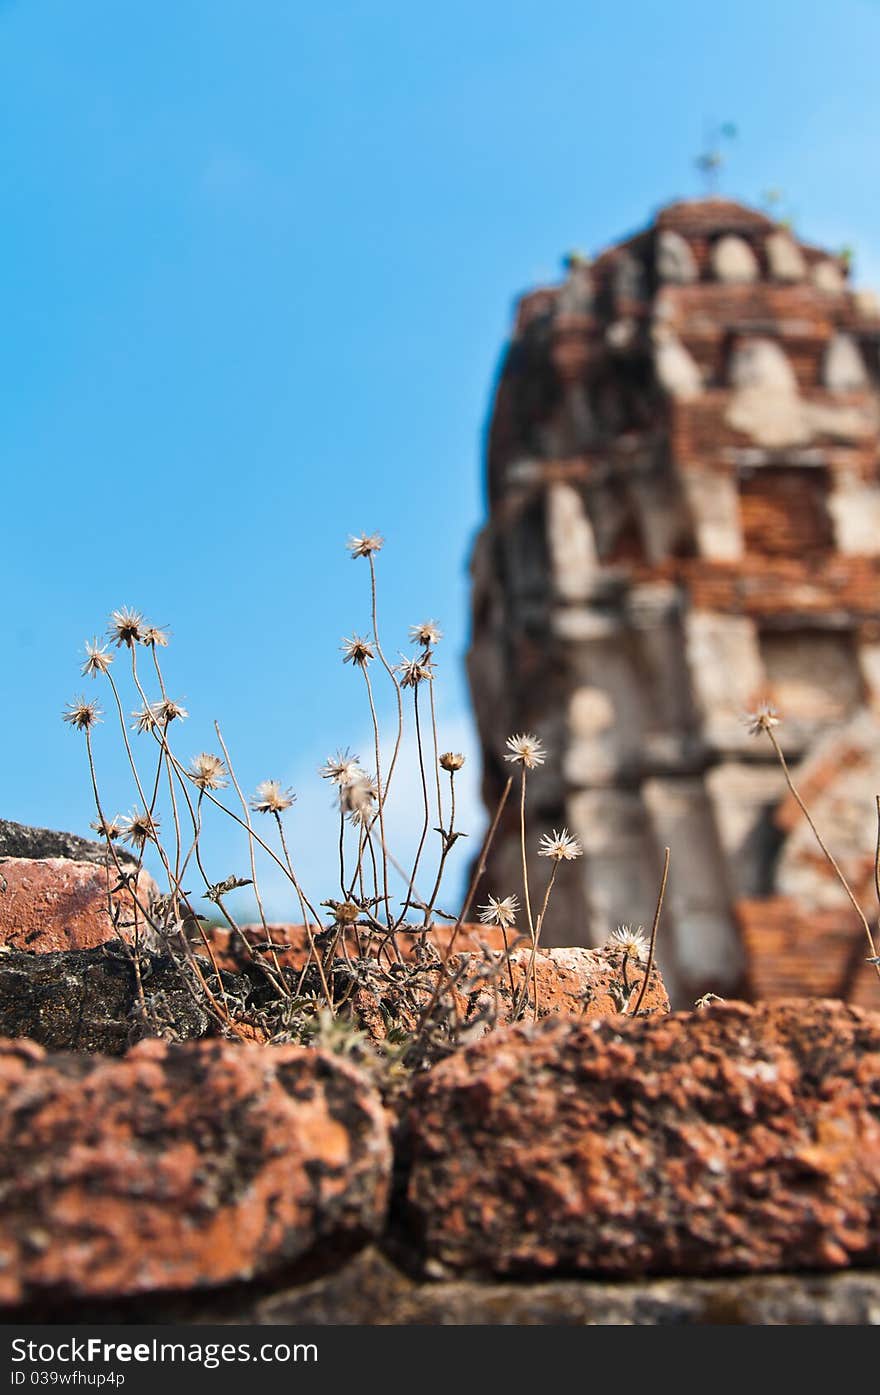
column 763, row 718
column 452, row 761
column 126, row 626
column 632, row 942
column 108, row 828
column 707, row 1000
column 365, row 544
column 140, row 827
column 98, row 659
column 208, row 771
column 154, row 638
column 525, row 750
column 144, row 718
column 166, row 711
column 270, row 798
column 499, row 911
column 82, row 714
column 358, row 800
column 413, row 672
column 428, row 634
column 560, row 846
column 343, row 768
column 346, row 912
column 357, row 650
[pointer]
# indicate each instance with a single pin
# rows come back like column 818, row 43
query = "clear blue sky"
column 258, row 260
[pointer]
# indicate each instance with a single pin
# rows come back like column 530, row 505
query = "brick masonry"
column 684, row 519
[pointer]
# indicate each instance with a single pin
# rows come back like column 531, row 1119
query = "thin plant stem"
column 427, row 808
column 532, row 971
column 817, row 835
column 525, row 869
column 304, row 903
column 448, row 844
column 381, row 793
column 253, row 860
column 655, row 925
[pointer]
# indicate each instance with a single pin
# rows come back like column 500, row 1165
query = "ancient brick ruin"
column 684, row 518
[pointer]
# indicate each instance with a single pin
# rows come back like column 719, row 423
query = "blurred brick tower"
column 684, row 518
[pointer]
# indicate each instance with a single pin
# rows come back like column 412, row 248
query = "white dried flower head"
column 763, row 718
column 346, row 912
column 166, row 711
column 108, row 828
column 82, row 714
column 707, row 1000
column 271, row 798
column 358, row 651
column 343, row 768
column 560, row 846
column 154, row 638
column 126, row 626
column 365, row 544
column 144, row 718
column 428, row 634
column 98, row 659
column 452, row 761
column 500, row 911
column 413, row 672
column 525, row 750
column 359, row 799
column 139, row 828
column 632, row 941
column 208, row 771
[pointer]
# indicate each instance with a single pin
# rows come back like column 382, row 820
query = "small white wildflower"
column 208, row 771
column 500, row 911
column 270, row 798
column 358, row 651
column 139, row 828
column 560, row 846
column 126, row 626
column 452, row 761
column 365, row 544
column 428, row 634
column 342, row 769
column 632, row 942
column 108, row 828
column 359, row 799
column 82, row 714
column 525, row 750
column 98, row 659
column 413, row 672
column 763, row 718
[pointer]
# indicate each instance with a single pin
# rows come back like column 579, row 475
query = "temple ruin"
column 684, row 519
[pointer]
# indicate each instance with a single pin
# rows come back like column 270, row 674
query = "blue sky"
column 258, row 262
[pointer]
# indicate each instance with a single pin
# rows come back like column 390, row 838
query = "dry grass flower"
column 82, row 714
column 633, row 942
column 342, row 769
column 98, row 659
column 763, row 718
column 126, row 626
column 562, row 847
column 357, row 651
column 365, row 544
column 139, row 828
column 271, row 798
column 208, row 771
column 525, row 750
column 500, row 911
column 452, row 761
column 428, row 634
